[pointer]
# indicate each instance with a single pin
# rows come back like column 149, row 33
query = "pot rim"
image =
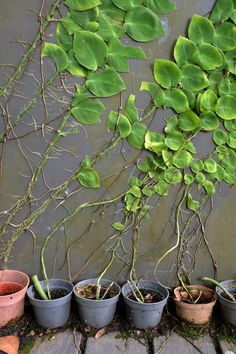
column 193, row 287
column 21, row 291
column 93, row 281
column 226, row 282
column 53, row 300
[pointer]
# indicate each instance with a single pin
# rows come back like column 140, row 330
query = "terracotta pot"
column 13, row 287
column 198, row 314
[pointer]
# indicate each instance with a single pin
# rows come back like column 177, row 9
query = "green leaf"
column 142, row 25
column 209, row 121
column 81, row 5
column 144, row 211
column 188, row 179
column 90, row 49
column 105, row 83
column 226, row 36
column 81, row 94
column 108, row 8
column 210, row 165
column 147, row 191
column 84, row 17
column 118, row 226
column 201, row 30
column 226, row 107
column 232, row 140
column 132, row 203
column 167, row 157
column 193, row 78
column 191, row 98
column 197, row 166
column 108, row 30
column 134, row 181
column 219, row 175
column 161, row 187
column 210, row 57
column 69, row 24
column 91, row 26
column 131, row 110
column 192, row 204
column 89, row 177
column 63, row 37
column 188, row 121
column 230, row 175
column 174, row 140
column 166, row 73
column 220, row 137
column 160, row 6
column 176, row 99
column 124, row 126
column 155, row 91
column 135, row 191
column 154, row 141
column 74, row 67
column 214, row 78
column 190, row 147
column 200, row 178
column 147, row 165
column 221, row 11
column 185, row 51
column 208, row 101
column 57, row 53
column 226, row 87
column 230, row 125
column 127, row 4
column 171, row 124
column 89, row 111
column 173, row 176
column 137, row 135
column 209, row 187
column 182, row 159
column 119, row 54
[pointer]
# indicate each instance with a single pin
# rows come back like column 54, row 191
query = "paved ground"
column 72, row 342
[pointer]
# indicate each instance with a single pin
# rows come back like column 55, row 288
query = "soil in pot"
column 8, row 288
column 88, row 291
column 196, row 297
column 55, row 294
column 149, row 296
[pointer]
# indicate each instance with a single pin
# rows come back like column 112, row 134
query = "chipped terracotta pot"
column 13, row 287
column 195, row 313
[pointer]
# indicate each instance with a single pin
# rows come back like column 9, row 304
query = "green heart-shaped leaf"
column 209, row 187
column 137, row 135
column 166, row 73
column 192, row 204
column 232, row 140
column 209, row 121
column 124, row 126
column 197, row 166
column 57, row 53
column 230, row 125
column 118, row 226
column 214, row 79
column 131, row 110
column 185, row 51
column 226, row 36
column 89, row 111
column 81, row 5
column 63, row 37
column 90, row 50
column 108, row 8
column 108, row 30
column 210, row 57
column 142, row 25
column 210, row 165
column 220, row 137
column 69, row 24
column 201, row 30
column 226, row 107
column 182, row 159
column 119, row 55
column 105, row 83
column 161, row 187
column 160, row 6
column 226, row 87
column 84, row 17
column 188, row 179
column 188, row 121
column 208, row 101
column 193, row 78
column 174, row 140
column 221, row 11
column 176, row 99
column 89, row 177
column 200, row 178
column 127, row 4
column 155, row 91
column 74, row 67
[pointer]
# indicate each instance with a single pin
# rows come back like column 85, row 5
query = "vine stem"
column 177, row 230
column 66, row 219
column 21, row 66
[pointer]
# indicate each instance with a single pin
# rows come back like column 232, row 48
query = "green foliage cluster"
column 199, row 86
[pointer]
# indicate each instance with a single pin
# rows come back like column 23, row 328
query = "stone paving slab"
column 60, row 343
column 110, row 344
column 227, row 347
column 178, row 345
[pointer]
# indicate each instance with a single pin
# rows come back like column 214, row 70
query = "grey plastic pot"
column 52, row 313
column 228, row 308
column 96, row 313
column 144, row 315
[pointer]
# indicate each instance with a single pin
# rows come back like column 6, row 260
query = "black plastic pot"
column 52, row 313
column 97, row 313
column 144, row 315
column 228, row 308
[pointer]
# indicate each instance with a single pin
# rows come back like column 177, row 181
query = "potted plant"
column 194, row 303
column 13, row 286
column 226, row 293
column 144, row 302
column 96, row 301
column 51, row 300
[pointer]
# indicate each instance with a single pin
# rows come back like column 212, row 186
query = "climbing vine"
column 198, row 85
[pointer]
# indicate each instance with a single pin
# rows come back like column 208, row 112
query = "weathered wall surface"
column 89, row 249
